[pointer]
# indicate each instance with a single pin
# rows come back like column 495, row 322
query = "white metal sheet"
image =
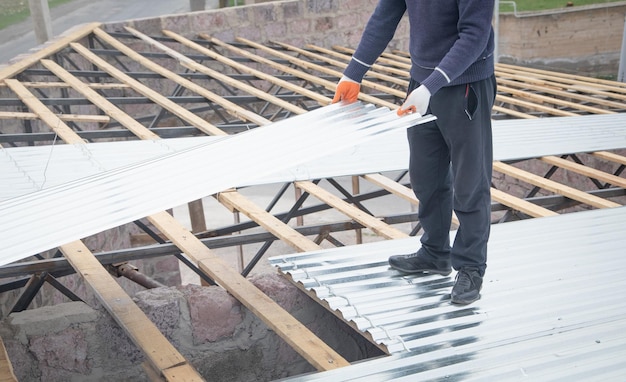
column 45, row 219
column 27, row 169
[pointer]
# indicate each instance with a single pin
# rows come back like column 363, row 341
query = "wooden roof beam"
column 63, row 117
column 315, row 79
column 6, row 368
column 48, row 50
column 162, row 355
column 398, row 190
column 369, row 221
column 585, row 171
column 236, row 201
column 323, row 100
column 553, row 186
column 311, row 348
column 106, row 106
column 155, row 96
column 197, row 67
column 230, row 107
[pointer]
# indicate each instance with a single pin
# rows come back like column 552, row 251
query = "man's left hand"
column 416, row 102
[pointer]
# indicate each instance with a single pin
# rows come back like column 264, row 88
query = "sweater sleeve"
column 379, row 30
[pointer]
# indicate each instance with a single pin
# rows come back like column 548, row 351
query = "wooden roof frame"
column 313, row 72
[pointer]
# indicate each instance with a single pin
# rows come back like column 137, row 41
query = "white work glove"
column 416, row 102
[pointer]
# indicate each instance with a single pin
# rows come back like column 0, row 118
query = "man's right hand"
column 347, row 90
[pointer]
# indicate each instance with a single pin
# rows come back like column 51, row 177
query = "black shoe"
column 414, row 263
column 467, row 286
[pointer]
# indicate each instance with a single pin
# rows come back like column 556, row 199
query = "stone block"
column 214, row 314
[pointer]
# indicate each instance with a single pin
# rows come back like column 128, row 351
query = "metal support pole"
column 496, row 31
column 40, row 13
column 621, row 73
column 196, row 5
column 130, row 272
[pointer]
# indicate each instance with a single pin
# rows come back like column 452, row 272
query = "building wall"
column 585, row 40
column 574, row 39
column 211, row 329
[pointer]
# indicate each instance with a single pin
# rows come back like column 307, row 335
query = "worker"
column 451, row 44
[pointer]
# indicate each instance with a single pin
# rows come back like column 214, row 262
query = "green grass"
column 540, row 5
column 14, row 11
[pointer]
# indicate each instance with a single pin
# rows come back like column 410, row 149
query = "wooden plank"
column 378, row 71
column 316, row 352
column 323, row 69
column 153, row 95
column 293, row 71
column 197, row 67
column 296, row 332
column 160, row 353
column 533, row 106
column 398, row 190
column 62, row 117
column 248, row 70
column 57, row 85
column 101, row 102
column 279, row 67
column 324, row 360
column 584, row 99
column 53, row 47
column 369, row 221
column 569, row 78
column 586, row 171
column 266, row 220
column 47, row 116
column 230, row 107
column 521, row 205
column 612, row 157
column 388, row 60
column 598, row 94
column 513, row 113
column 6, row 368
column 553, row 186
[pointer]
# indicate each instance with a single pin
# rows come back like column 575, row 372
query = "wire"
column 48, row 161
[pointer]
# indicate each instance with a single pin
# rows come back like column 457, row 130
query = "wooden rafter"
column 522, row 92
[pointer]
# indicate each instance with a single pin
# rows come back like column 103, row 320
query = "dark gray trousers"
column 450, row 168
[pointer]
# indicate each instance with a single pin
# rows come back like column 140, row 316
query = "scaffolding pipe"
column 621, row 75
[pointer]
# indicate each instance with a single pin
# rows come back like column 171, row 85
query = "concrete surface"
column 20, row 38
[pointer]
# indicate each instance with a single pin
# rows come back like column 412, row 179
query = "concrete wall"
column 221, row 338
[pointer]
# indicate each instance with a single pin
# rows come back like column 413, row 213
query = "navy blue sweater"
column 451, row 41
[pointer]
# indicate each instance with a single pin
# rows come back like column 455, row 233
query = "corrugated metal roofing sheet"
column 33, row 168
column 551, row 306
column 532, row 138
column 46, row 219
column 27, row 169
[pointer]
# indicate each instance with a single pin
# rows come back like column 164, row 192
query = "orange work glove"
column 347, row 90
column 416, row 102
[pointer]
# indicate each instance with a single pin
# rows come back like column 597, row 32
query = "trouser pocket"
column 470, row 103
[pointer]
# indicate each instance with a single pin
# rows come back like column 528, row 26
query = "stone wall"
column 212, row 330
column 585, row 40
column 575, row 39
